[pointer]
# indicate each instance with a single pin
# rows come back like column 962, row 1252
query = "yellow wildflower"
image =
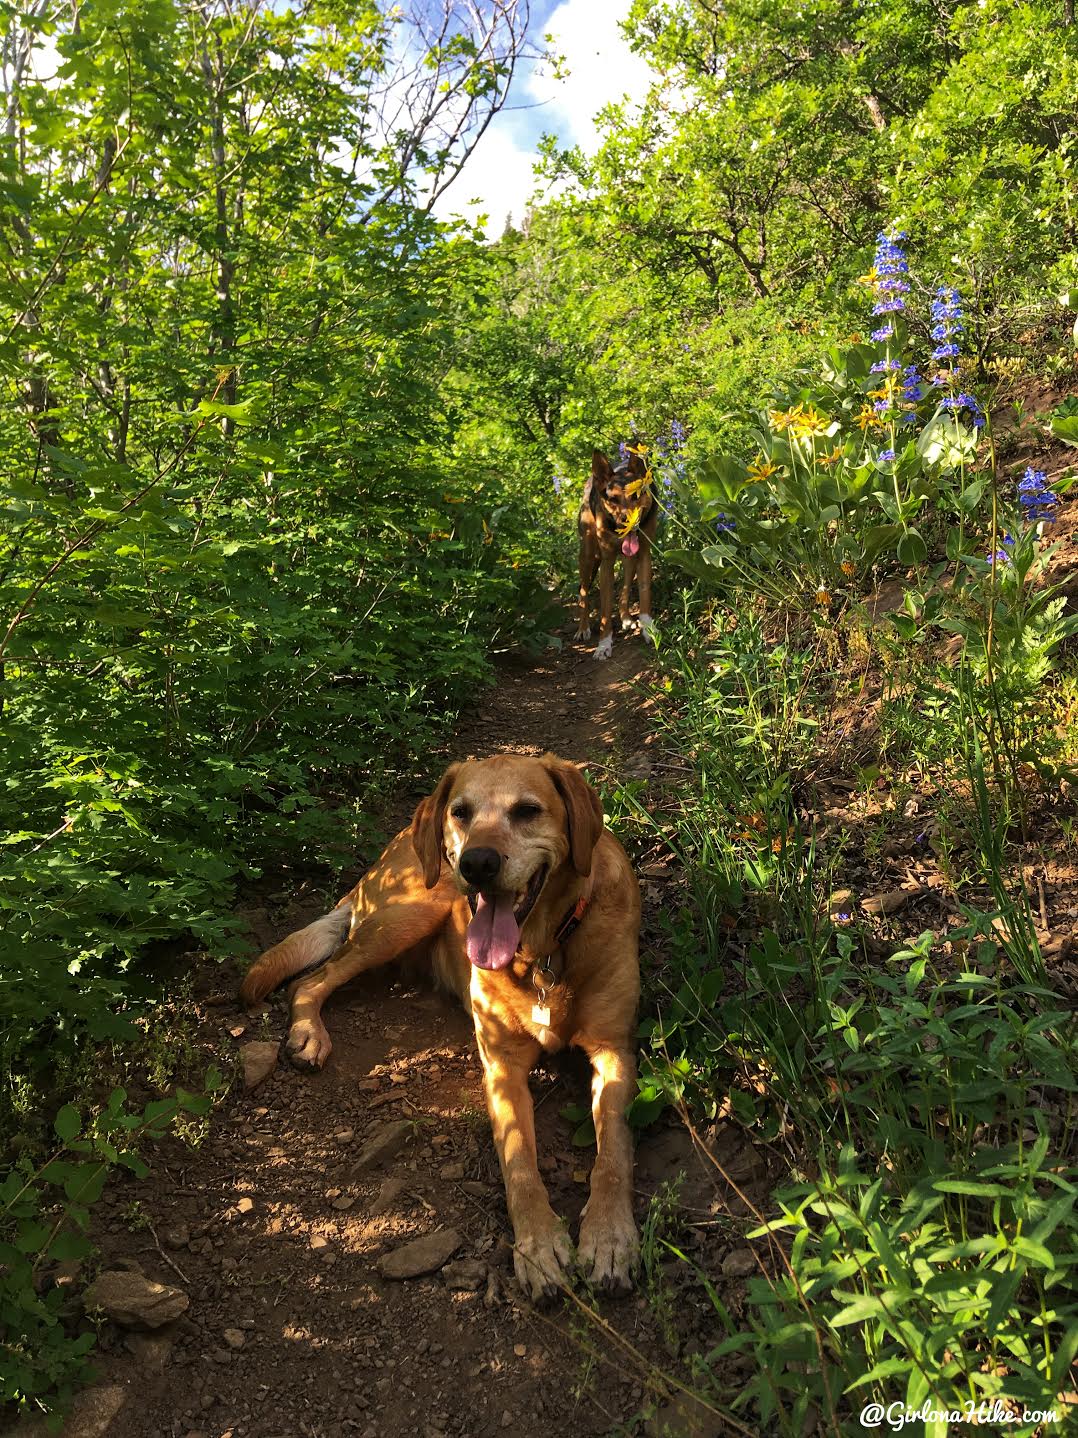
column 834, row 457
column 762, row 468
column 886, row 390
column 631, row 521
column 810, row 422
column 801, row 422
column 869, row 419
column 849, row 569
column 823, row 598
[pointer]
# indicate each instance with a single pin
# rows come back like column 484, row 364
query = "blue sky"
column 498, row 179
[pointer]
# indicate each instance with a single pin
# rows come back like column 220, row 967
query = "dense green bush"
column 249, row 568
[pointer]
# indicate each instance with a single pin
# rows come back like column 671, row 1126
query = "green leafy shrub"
column 44, row 1216
column 249, row 571
column 849, row 461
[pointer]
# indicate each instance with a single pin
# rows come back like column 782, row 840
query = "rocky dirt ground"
column 336, row 1249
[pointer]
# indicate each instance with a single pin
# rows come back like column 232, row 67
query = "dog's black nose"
column 480, row 866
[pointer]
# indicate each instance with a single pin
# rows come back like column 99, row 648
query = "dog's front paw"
column 604, row 647
column 647, row 628
column 608, row 1249
column 542, row 1263
column 583, row 632
column 308, row 1045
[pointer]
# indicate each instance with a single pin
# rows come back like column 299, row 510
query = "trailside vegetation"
column 248, row 567
column 286, row 459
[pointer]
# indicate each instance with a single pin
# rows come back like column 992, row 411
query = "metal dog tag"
column 541, row 1016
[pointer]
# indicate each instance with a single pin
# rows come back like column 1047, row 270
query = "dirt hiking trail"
column 275, row 1225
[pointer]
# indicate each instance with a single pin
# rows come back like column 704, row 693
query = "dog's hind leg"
column 377, row 940
column 389, row 911
column 589, row 563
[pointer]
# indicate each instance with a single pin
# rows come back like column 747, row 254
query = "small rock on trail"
column 421, row 1256
column 466, row 1275
column 889, row 903
column 259, row 1061
column 134, row 1301
column 386, row 1143
column 386, row 1196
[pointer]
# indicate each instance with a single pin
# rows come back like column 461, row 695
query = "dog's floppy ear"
column 583, row 810
column 601, row 469
column 428, row 825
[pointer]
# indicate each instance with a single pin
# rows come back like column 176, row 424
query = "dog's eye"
column 461, row 811
column 524, row 811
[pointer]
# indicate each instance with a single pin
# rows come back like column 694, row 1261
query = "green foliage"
column 932, row 1254
column 1010, row 621
column 719, row 231
column 845, row 466
column 252, row 558
column 44, row 1217
column 248, row 570
column 930, row 1237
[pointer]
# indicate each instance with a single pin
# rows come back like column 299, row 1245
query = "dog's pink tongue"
column 631, row 543
column 493, row 934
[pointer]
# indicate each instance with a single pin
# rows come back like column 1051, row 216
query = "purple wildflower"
column 912, row 391
column 890, row 265
column 1038, row 502
column 957, row 402
column 947, row 312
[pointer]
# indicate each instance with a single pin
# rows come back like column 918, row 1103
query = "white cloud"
column 496, row 181
column 601, row 69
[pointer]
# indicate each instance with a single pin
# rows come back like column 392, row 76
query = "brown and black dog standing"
column 619, row 513
column 530, row 912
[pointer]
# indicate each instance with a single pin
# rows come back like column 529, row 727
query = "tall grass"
column 922, row 1255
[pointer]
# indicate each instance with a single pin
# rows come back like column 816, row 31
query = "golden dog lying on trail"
column 530, row 912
